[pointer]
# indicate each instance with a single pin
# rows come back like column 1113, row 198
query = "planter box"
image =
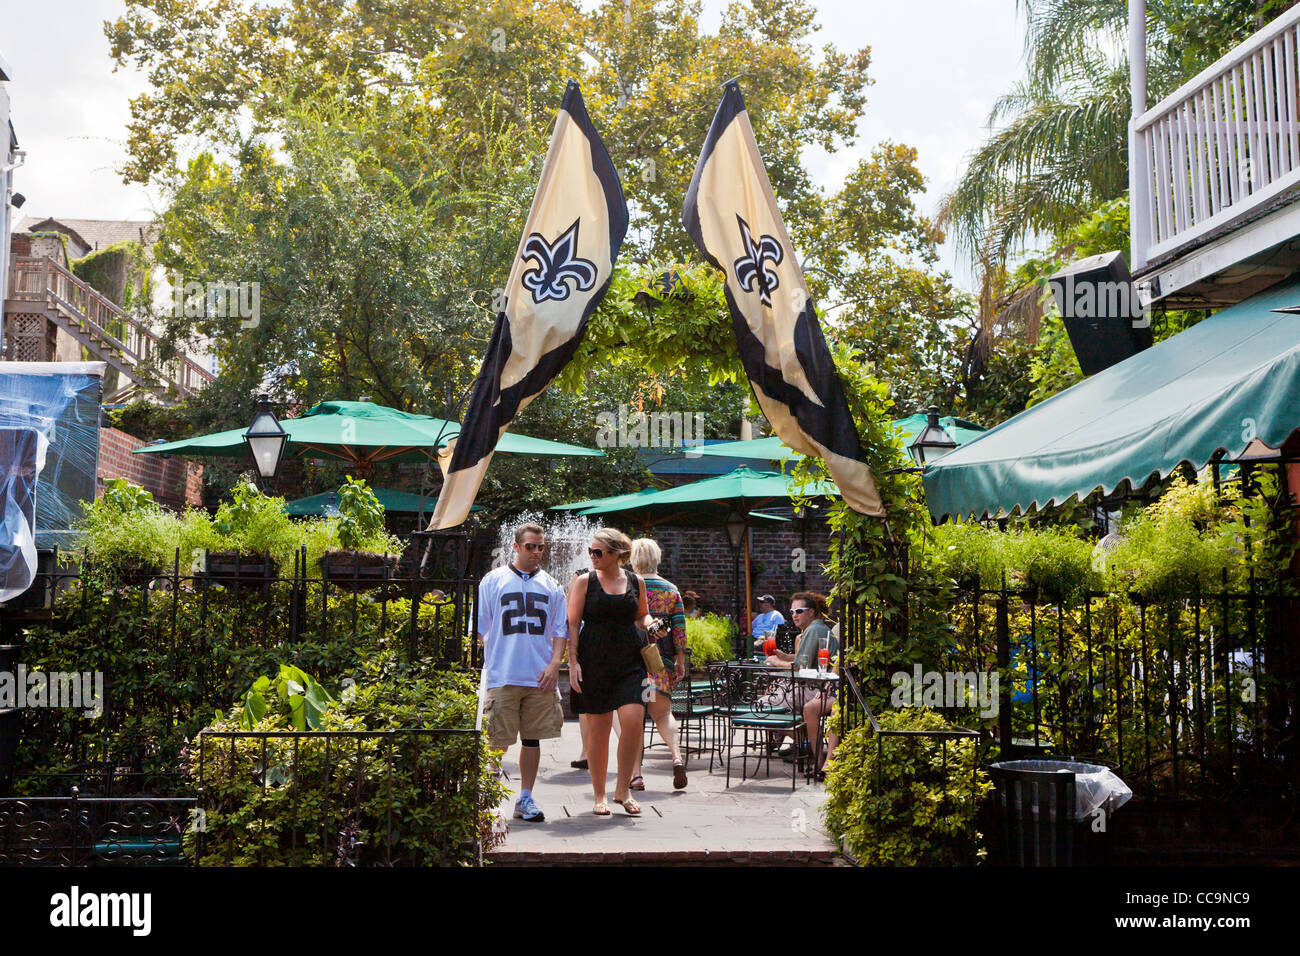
column 357, row 570
column 233, row 569
column 137, row 573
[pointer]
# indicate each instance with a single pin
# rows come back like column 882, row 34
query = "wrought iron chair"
column 754, row 698
column 787, row 638
column 686, row 711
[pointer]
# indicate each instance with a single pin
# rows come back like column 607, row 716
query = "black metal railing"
column 408, row 797
column 77, row 830
column 1190, row 692
column 190, row 639
column 854, row 711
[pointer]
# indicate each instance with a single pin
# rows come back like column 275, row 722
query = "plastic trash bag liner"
column 49, row 452
column 1093, row 783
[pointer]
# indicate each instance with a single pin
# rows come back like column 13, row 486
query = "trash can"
column 9, row 717
column 1049, row 810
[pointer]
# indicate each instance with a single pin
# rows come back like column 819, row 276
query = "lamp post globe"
column 933, row 441
column 736, row 525
column 266, row 439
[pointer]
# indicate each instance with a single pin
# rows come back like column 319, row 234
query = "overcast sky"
column 938, row 65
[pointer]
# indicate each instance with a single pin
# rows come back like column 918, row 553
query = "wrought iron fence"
column 197, row 632
column 854, row 711
column 74, row 829
column 410, row 797
column 1187, row 693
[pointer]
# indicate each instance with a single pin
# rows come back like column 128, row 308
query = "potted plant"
column 355, row 566
column 246, row 525
column 128, row 534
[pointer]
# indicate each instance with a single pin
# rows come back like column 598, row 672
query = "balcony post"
column 1139, row 173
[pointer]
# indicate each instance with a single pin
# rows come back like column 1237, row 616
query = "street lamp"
column 266, row 440
column 737, row 526
column 933, row 442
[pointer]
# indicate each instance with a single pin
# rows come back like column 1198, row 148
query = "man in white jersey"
column 523, row 623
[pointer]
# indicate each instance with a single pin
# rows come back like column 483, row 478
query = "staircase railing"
column 41, row 280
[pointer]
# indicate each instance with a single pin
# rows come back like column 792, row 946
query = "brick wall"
column 701, row 560
column 173, row 481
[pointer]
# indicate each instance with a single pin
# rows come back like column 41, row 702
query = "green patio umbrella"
column 773, row 449
column 363, row 433
column 393, row 500
column 710, row 501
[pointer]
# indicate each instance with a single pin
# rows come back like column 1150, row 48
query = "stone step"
column 667, row 857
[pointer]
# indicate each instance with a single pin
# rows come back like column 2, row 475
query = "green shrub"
column 257, row 523
column 272, row 810
column 923, row 810
column 1175, row 546
column 170, row 660
column 966, row 551
column 361, row 516
column 1054, row 562
column 125, row 527
column 709, row 638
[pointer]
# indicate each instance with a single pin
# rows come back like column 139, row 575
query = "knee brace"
column 526, row 742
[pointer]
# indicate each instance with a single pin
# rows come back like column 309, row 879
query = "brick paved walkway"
column 757, row 821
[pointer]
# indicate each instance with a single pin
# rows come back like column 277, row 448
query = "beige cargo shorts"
column 527, row 712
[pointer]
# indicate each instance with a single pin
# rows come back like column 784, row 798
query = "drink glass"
column 823, row 655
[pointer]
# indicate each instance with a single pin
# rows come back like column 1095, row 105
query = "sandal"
column 578, row 764
column 679, row 776
column 637, row 783
column 602, row 809
column 631, row 806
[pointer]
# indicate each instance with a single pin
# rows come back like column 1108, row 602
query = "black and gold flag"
column 565, row 261
column 731, row 213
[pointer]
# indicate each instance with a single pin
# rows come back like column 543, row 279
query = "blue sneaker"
column 528, row 811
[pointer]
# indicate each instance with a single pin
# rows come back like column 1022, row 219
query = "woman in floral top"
column 664, row 603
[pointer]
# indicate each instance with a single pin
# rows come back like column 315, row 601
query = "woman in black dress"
column 606, row 673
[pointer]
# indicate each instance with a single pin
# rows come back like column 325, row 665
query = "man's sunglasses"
column 799, row 610
column 532, row 546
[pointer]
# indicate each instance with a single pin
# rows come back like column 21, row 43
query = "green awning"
column 1212, row 388
column 773, row 449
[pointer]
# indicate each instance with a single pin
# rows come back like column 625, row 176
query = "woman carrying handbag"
column 607, row 672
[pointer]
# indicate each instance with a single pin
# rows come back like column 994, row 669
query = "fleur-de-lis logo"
column 753, row 267
column 557, row 262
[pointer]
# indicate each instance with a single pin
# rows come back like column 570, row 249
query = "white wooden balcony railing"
column 41, row 285
column 1224, row 145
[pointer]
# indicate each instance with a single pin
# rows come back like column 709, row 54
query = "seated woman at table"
column 809, row 610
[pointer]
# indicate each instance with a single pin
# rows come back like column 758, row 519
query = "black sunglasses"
column 531, row 546
column 596, row 552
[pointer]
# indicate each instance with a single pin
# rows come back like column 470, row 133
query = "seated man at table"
column 768, row 617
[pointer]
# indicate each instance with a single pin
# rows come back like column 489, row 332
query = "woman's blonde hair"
column 616, row 541
column 646, row 556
